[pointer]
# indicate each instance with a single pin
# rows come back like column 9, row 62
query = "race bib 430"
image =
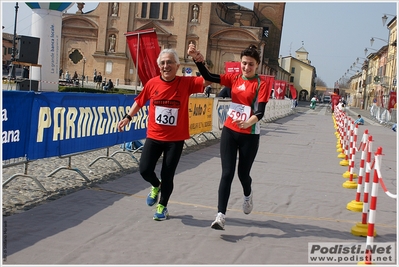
column 166, row 116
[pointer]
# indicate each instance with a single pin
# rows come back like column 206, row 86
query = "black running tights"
column 247, row 146
column 152, row 151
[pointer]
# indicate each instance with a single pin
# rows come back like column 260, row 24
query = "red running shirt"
column 244, row 94
column 168, row 110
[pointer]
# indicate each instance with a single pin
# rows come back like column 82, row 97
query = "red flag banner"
column 279, row 89
column 269, row 81
column 293, row 91
column 144, row 49
column 232, row 67
column 392, row 100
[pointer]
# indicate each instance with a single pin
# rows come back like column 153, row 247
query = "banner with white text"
column 16, row 118
column 58, row 124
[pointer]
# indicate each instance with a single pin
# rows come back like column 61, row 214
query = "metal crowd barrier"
column 383, row 116
column 20, row 161
column 69, row 167
column 15, row 162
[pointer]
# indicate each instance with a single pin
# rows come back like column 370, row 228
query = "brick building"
column 7, row 50
column 220, row 31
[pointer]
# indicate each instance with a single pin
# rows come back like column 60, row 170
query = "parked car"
column 326, row 99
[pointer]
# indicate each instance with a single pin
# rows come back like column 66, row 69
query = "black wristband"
column 128, row 117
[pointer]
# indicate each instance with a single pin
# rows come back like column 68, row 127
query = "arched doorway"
column 303, row 94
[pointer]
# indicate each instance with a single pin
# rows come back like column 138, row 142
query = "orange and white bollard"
column 339, row 131
column 347, row 131
column 357, row 205
column 373, row 209
column 350, row 184
column 344, row 143
column 361, row 229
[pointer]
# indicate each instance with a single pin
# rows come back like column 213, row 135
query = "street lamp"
column 372, row 40
column 384, row 18
column 357, row 59
column 366, row 50
column 83, row 75
column 355, row 72
column 12, row 75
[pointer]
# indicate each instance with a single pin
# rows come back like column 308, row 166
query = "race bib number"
column 166, row 116
column 239, row 112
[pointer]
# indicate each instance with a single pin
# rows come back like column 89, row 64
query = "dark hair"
column 251, row 51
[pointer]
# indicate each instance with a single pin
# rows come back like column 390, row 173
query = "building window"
column 144, row 10
column 155, row 11
column 291, row 79
column 165, row 10
column 108, row 67
column 368, row 79
column 293, row 70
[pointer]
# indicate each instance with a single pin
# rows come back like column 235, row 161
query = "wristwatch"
column 128, row 117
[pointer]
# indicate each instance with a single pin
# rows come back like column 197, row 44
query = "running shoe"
column 218, row 224
column 161, row 213
column 152, row 197
column 248, row 205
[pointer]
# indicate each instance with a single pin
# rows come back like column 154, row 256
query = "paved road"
column 298, row 198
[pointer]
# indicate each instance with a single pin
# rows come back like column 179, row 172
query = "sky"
column 334, row 34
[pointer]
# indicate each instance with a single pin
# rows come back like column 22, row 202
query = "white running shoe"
column 218, row 224
column 248, row 205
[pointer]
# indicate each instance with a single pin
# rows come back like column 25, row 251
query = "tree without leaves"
column 320, row 82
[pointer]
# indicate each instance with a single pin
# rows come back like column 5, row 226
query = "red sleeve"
column 144, row 95
column 197, row 86
column 228, row 79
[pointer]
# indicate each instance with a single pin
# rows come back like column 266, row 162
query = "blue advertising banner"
column 60, row 124
column 16, row 113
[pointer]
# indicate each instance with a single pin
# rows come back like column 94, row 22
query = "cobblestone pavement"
column 23, row 193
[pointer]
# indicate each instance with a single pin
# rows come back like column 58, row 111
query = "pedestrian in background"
column 95, row 75
column 109, row 85
column 313, row 102
column 99, row 80
column 67, row 77
column 75, row 78
column 241, row 130
column 208, row 90
column 168, row 126
column 225, row 92
column 341, row 106
column 359, row 120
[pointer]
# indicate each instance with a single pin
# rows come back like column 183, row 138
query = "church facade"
column 96, row 40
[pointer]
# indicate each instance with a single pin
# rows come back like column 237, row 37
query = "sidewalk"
column 353, row 112
column 298, row 198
